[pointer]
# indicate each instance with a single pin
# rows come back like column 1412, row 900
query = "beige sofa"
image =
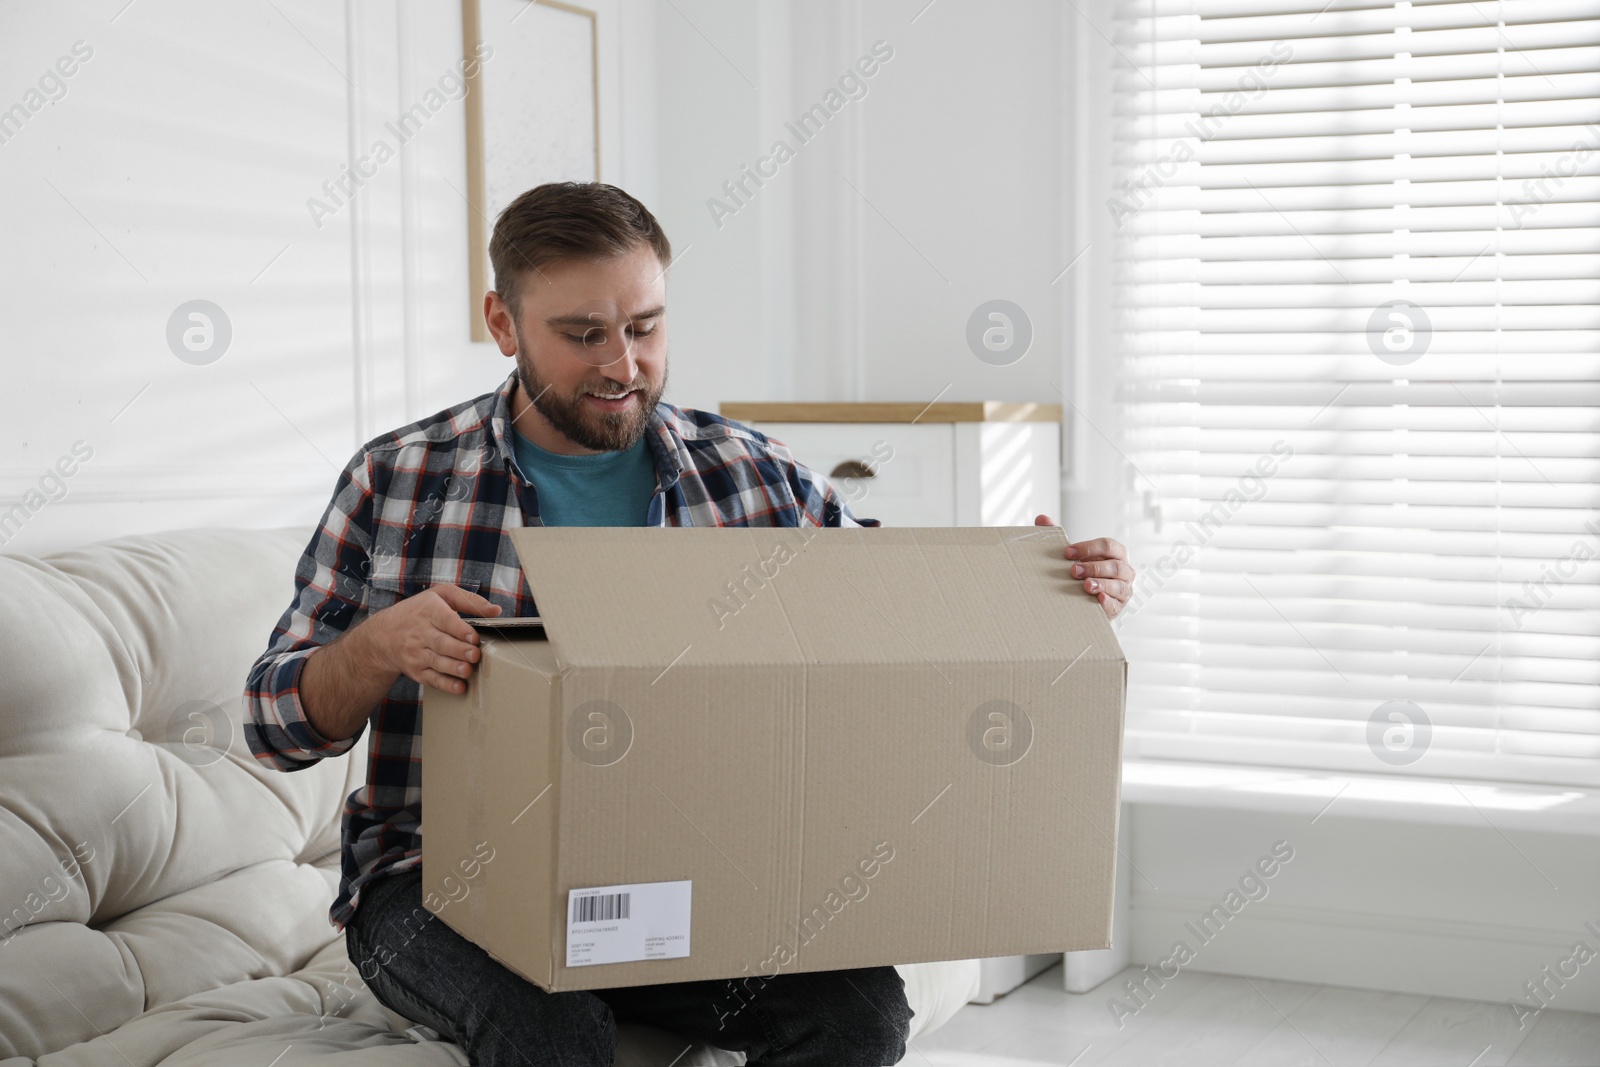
column 164, row 897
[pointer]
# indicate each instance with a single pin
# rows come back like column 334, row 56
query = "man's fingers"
column 442, row 682
column 449, row 665
column 445, row 645
column 450, row 624
column 1097, row 548
column 1108, row 568
column 461, row 600
column 1101, row 565
column 442, row 615
column 1108, row 587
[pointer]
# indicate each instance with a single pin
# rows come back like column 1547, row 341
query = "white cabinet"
column 902, row 475
column 957, row 464
column 978, row 464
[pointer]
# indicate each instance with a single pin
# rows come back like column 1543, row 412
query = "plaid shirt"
column 429, row 504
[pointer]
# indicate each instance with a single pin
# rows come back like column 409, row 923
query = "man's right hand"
column 421, row 637
column 424, row 638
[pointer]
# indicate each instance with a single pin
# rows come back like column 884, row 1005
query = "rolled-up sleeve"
column 331, row 583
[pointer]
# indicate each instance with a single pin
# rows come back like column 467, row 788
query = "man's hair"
column 568, row 220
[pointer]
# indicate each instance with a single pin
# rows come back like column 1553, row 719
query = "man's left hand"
column 1102, row 564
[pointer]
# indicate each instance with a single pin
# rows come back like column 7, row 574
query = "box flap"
column 646, row 596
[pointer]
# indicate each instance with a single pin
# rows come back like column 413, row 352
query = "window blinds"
column 1359, row 321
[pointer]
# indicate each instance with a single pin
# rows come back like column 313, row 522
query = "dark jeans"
column 422, row 969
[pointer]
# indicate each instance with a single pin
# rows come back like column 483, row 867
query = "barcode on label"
column 600, row 907
column 631, row 921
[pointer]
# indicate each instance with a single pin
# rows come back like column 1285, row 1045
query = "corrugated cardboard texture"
column 781, row 712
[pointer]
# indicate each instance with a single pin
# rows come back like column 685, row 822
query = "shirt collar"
column 667, row 449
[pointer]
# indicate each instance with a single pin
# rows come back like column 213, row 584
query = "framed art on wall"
column 532, row 112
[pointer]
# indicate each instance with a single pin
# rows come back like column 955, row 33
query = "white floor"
column 1200, row 1020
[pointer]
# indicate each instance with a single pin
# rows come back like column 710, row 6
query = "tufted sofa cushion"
column 164, row 897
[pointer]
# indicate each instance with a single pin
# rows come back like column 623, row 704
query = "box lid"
column 640, row 597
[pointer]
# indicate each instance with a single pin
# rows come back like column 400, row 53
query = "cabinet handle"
column 852, row 468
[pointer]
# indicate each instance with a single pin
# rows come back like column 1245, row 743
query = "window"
column 1359, row 322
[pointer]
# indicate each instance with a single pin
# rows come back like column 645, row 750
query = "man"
column 415, row 537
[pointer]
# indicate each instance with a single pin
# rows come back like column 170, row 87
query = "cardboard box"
column 748, row 751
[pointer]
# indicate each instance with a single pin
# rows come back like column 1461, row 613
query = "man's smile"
column 612, row 401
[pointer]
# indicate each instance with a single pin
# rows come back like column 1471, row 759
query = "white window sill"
column 1504, row 806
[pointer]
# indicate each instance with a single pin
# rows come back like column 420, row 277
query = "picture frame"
column 539, row 121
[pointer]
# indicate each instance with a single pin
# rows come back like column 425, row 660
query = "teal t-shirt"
column 606, row 489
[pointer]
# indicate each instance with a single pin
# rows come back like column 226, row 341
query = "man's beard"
column 571, row 416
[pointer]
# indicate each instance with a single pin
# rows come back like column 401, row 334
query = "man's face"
column 591, row 350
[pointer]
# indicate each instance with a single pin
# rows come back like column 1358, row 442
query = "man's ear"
column 497, row 316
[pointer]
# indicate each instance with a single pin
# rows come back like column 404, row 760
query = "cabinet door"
column 912, row 480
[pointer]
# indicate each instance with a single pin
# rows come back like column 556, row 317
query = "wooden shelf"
column 949, row 411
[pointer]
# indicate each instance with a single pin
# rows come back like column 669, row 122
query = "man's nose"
column 616, row 359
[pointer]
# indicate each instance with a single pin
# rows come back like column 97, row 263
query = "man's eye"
column 597, row 336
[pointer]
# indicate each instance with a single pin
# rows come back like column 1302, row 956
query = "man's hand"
column 421, row 637
column 1102, row 564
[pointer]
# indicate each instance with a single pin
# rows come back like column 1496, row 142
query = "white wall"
column 177, row 166
column 851, row 274
column 179, row 162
